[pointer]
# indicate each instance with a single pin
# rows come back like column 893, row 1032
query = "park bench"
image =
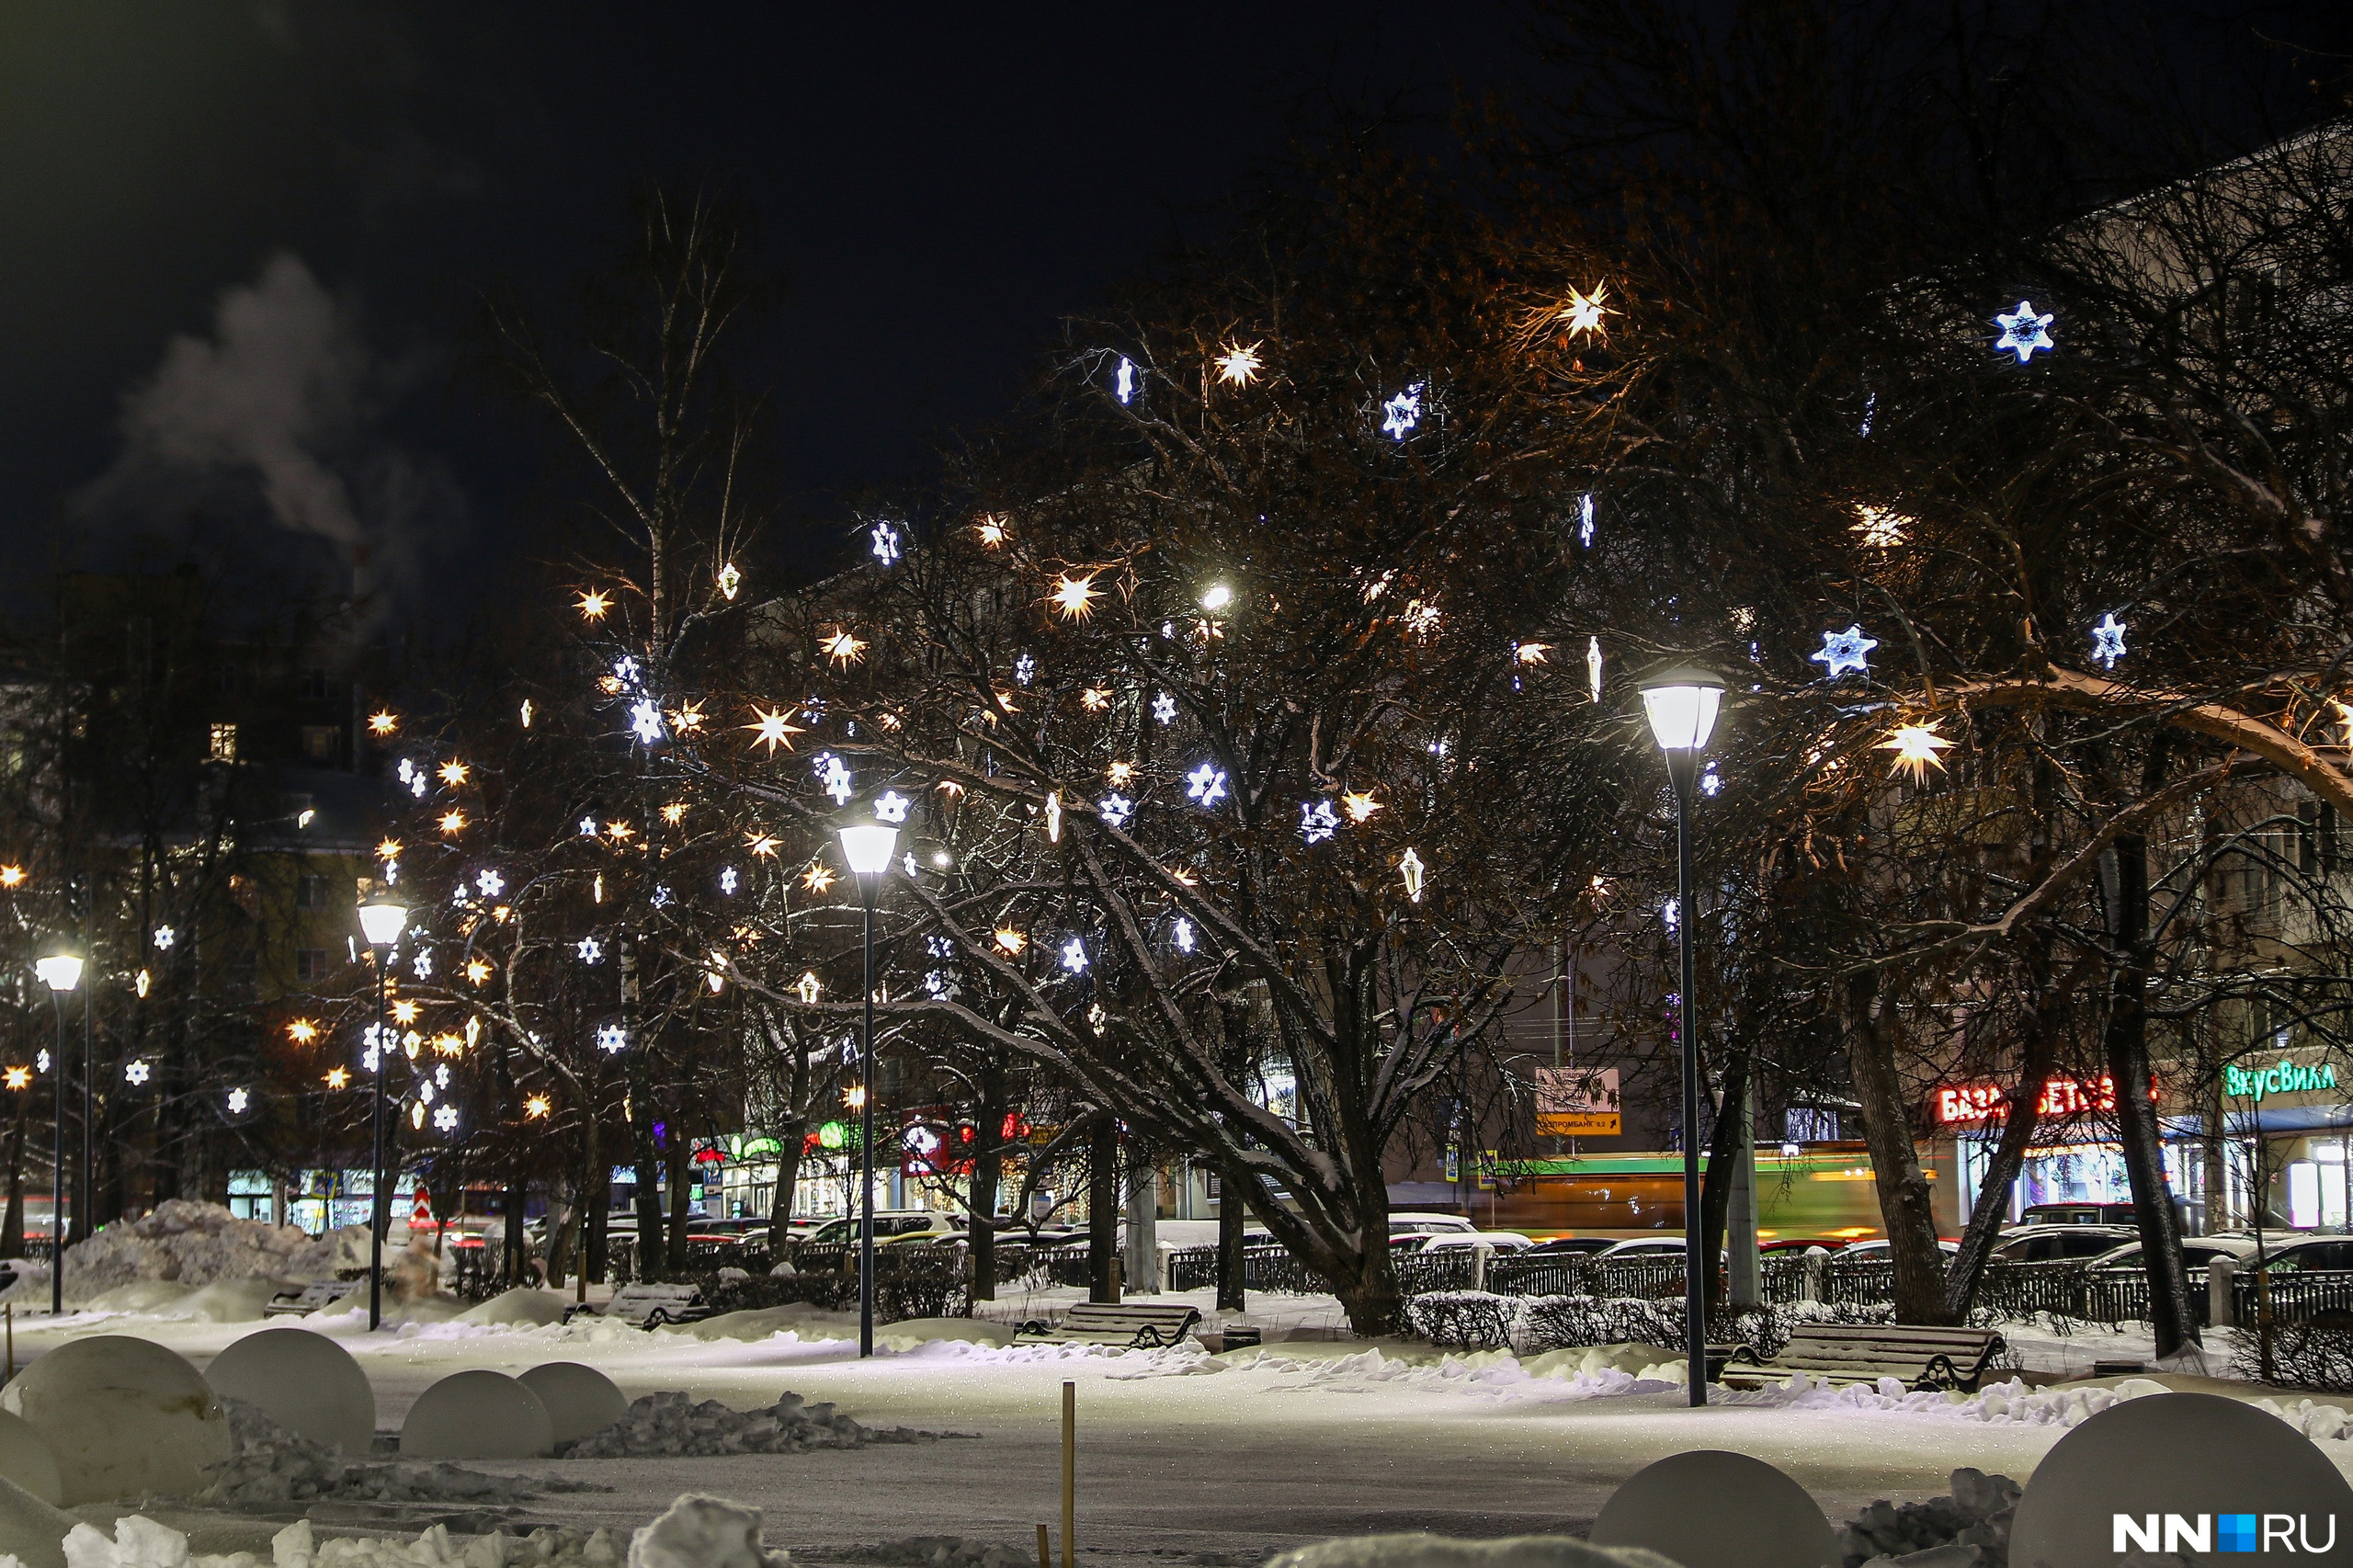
column 1129, row 1325
column 310, row 1299
column 1916, row 1355
column 648, row 1306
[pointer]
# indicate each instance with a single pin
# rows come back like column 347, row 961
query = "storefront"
column 2075, row 1157
column 2290, row 1134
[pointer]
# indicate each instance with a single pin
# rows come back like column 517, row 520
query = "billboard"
column 1576, row 1101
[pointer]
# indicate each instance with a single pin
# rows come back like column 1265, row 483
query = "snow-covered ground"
column 1182, row 1456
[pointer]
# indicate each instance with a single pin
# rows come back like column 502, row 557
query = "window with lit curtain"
column 224, row 742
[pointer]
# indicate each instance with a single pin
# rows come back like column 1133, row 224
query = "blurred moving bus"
column 1823, row 1192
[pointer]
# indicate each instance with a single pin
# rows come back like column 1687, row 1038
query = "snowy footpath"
column 1182, row 1456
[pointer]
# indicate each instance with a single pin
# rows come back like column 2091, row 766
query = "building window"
column 319, row 742
column 309, row 892
column 317, row 687
column 224, row 742
column 309, row 963
column 1809, row 1124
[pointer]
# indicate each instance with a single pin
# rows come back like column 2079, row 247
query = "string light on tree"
column 1593, row 666
column 12, row 876
column 1025, row 668
column 1095, row 699
column 445, row 1117
column 818, row 878
column 1401, row 413
column 1844, row 651
column 991, row 530
column 1118, row 774
column 843, row 647
column 536, row 1109
column 770, row 729
column 1916, row 747
column 1206, row 784
column 2024, row 332
column 1317, row 821
column 453, row 772
column 593, row 604
column 2108, row 640
column 1238, row 367
column 1053, row 816
column 1009, row 941
column 239, row 1101
column 1180, row 931
column 834, row 779
column 1409, row 867
column 163, row 938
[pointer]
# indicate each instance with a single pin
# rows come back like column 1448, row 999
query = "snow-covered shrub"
column 2303, row 1356
column 1463, row 1320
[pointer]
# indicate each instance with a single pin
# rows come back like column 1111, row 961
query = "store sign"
column 1572, row 1102
column 1964, row 1105
column 2283, row 1077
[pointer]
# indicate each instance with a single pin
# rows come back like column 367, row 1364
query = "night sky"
column 244, row 236
column 306, row 197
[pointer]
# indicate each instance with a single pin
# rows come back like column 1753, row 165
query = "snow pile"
column 273, row 1466
column 948, row 1551
column 141, row 1543
column 1976, row 1515
column 704, row 1532
column 1558, row 1375
column 193, row 1244
column 669, row 1425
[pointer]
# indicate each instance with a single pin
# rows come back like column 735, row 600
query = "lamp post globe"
column 867, row 847
column 381, row 920
column 1681, row 703
column 61, row 972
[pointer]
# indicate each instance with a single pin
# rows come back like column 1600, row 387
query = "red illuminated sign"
column 1965, row 1104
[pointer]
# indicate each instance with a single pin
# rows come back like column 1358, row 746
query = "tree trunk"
column 1904, row 1196
column 650, row 1253
column 789, row 1156
column 1102, row 1207
column 1724, row 1145
column 1370, row 1296
column 2174, row 1323
column 1232, row 1216
column 595, row 1196
column 516, row 1260
column 988, row 1171
column 12, row 1229
column 2036, row 1051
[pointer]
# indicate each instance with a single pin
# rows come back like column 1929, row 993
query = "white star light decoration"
column 164, row 937
column 1164, row 709
column 833, row 778
column 1206, row 784
column 1115, row 809
column 1401, row 413
column 446, row 1117
column 589, row 827
column 625, row 670
column 490, row 883
column 2108, row 640
column 136, row 1072
column 422, row 965
column 239, row 1101
column 1074, row 955
column 1844, row 651
column 645, row 720
column 1123, row 381
column 1584, row 520
column 1317, row 821
column 612, row 1040
column 891, row 806
column 885, row 544
column 2023, row 333
column 590, row 949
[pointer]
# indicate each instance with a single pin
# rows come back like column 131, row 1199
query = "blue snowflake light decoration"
column 625, row 670
column 1844, row 651
column 835, row 782
column 1025, row 668
column 645, row 720
column 589, row 827
column 1317, row 821
column 727, row 881
column 612, row 1040
column 885, row 544
column 1164, row 709
column 891, row 806
column 1116, row 809
column 1584, row 520
column 2108, row 640
column 1206, row 784
column 1181, row 933
column 2023, row 333
column 1123, row 381
column 1401, row 413
column 590, row 949
column 490, row 883
column 1074, row 955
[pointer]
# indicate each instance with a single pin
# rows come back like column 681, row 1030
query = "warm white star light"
column 769, row 729
column 2023, row 333
column 1359, row 805
column 1074, row 598
column 843, row 647
column 1409, row 867
column 1238, row 367
column 1583, row 311
column 1881, row 528
column 2108, row 640
column 1916, row 747
column 1844, row 651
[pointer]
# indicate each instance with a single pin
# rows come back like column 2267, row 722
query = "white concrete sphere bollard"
column 579, row 1400
column 478, row 1414
column 1712, row 1510
column 121, row 1416
column 26, row 1460
column 2131, row 1472
column 304, row 1382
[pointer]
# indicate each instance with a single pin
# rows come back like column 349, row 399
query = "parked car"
column 2302, row 1254
column 2077, row 1214
column 1560, row 1245
column 1879, row 1248
column 1417, row 1223
column 648, row 1306
column 2055, row 1242
column 1780, row 1245
column 893, row 1225
column 2197, row 1252
column 1459, row 1241
column 1644, row 1247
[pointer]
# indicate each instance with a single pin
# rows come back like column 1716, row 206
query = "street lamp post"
column 1681, row 705
column 867, row 847
column 381, row 920
column 60, row 973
